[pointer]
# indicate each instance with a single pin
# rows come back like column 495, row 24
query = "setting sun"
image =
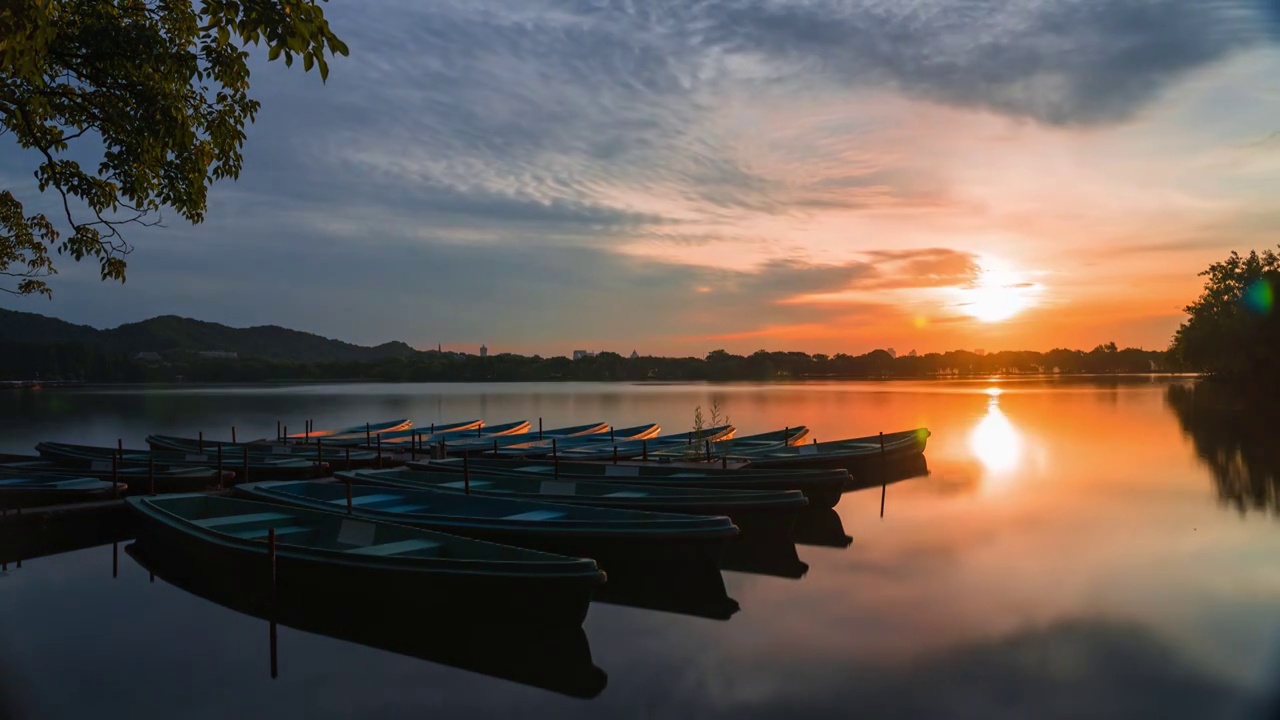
column 997, row 294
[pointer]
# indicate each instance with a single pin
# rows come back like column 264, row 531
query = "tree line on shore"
column 81, row 362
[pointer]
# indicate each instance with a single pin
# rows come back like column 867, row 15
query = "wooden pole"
column 244, row 475
column 786, row 435
column 278, row 435
column 348, row 459
column 611, row 437
column 644, row 449
column 479, row 431
column 555, row 459
column 539, row 428
column 367, row 439
column 882, row 491
column 286, row 434
column 115, row 476
column 115, row 559
column 495, row 447
column 724, row 461
column 413, row 445
column 200, row 441
column 615, row 454
column 220, row 464
column 466, row 473
column 319, row 458
column 379, row 452
column 708, row 443
column 275, row 668
column 233, row 433
column 882, row 443
column 306, row 431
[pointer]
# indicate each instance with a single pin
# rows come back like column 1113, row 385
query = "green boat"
column 318, row 450
column 35, row 491
column 746, row 507
column 259, row 467
column 856, row 455
column 555, row 658
column 355, row 432
column 358, row 557
column 611, row 536
column 822, row 487
column 161, row 478
column 710, row 449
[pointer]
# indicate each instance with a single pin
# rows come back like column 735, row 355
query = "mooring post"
column 611, row 437
column 495, row 447
column 306, row 431
column 882, row 443
column 244, row 475
column 786, row 435
column 724, row 461
column 115, row 559
column 644, row 449
column 120, row 448
column 444, row 450
column 274, row 666
column 115, row 476
column 319, row 458
column 379, row 452
column 480, row 431
column 233, row 433
column 433, row 428
column 278, row 435
column 200, row 441
column 690, row 442
column 466, row 473
column 367, row 439
column 413, row 445
column 615, row 454
column 555, row 459
column 348, row 459
column 220, row 463
column 708, row 450
column 286, row 434
column 539, row 428
column 151, row 472
column 882, row 491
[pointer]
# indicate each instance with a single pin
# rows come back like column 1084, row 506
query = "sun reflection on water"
column 994, row 440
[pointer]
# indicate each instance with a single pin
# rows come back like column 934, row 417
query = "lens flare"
column 1259, row 297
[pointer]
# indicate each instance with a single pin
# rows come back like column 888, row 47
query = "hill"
column 170, row 334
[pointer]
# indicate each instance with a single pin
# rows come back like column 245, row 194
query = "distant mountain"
column 172, row 334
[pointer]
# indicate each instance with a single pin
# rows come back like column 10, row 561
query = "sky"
column 679, row 176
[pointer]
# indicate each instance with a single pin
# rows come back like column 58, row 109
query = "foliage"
column 156, row 90
column 1233, row 331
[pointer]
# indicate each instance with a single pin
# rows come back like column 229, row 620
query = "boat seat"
column 261, row 533
column 240, row 519
column 461, row 484
column 366, row 499
column 536, row 515
column 395, row 548
column 403, row 508
column 627, row 494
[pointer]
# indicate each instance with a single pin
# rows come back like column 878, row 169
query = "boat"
column 545, row 447
column 164, row 478
column 610, row 536
column 696, row 592
column 421, row 432
column 258, row 467
column 355, row 432
column 318, row 450
column 855, row 454
column 591, row 449
column 774, row 439
column 463, row 445
column 745, row 507
column 356, row 557
column 37, row 491
column 822, row 487
column 554, row 658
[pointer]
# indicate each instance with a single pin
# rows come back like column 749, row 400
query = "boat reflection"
column 36, row 534
column 820, row 526
column 556, row 659
column 765, row 553
column 906, row 469
column 696, row 590
column 1236, row 439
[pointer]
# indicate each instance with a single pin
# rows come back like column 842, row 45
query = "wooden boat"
column 166, row 478
column 424, row 431
column 856, row 454
column 463, row 445
column 774, row 439
column 439, row 573
column 259, row 467
column 318, row 450
column 610, row 536
column 605, row 450
column 822, row 487
column 36, row 491
column 544, row 447
column 355, row 432
column 554, row 658
column 745, row 507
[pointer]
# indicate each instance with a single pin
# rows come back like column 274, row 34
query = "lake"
column 1083, row 547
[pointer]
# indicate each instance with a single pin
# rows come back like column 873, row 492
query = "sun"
column 997, row 294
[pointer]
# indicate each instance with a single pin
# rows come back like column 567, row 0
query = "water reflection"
column 994, row 440
column 557, row 659
column 765, row 553
column 821, row 526
column 697, row 590
column 1236, row 438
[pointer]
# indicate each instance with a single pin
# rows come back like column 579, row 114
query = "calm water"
column 1078, row 549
